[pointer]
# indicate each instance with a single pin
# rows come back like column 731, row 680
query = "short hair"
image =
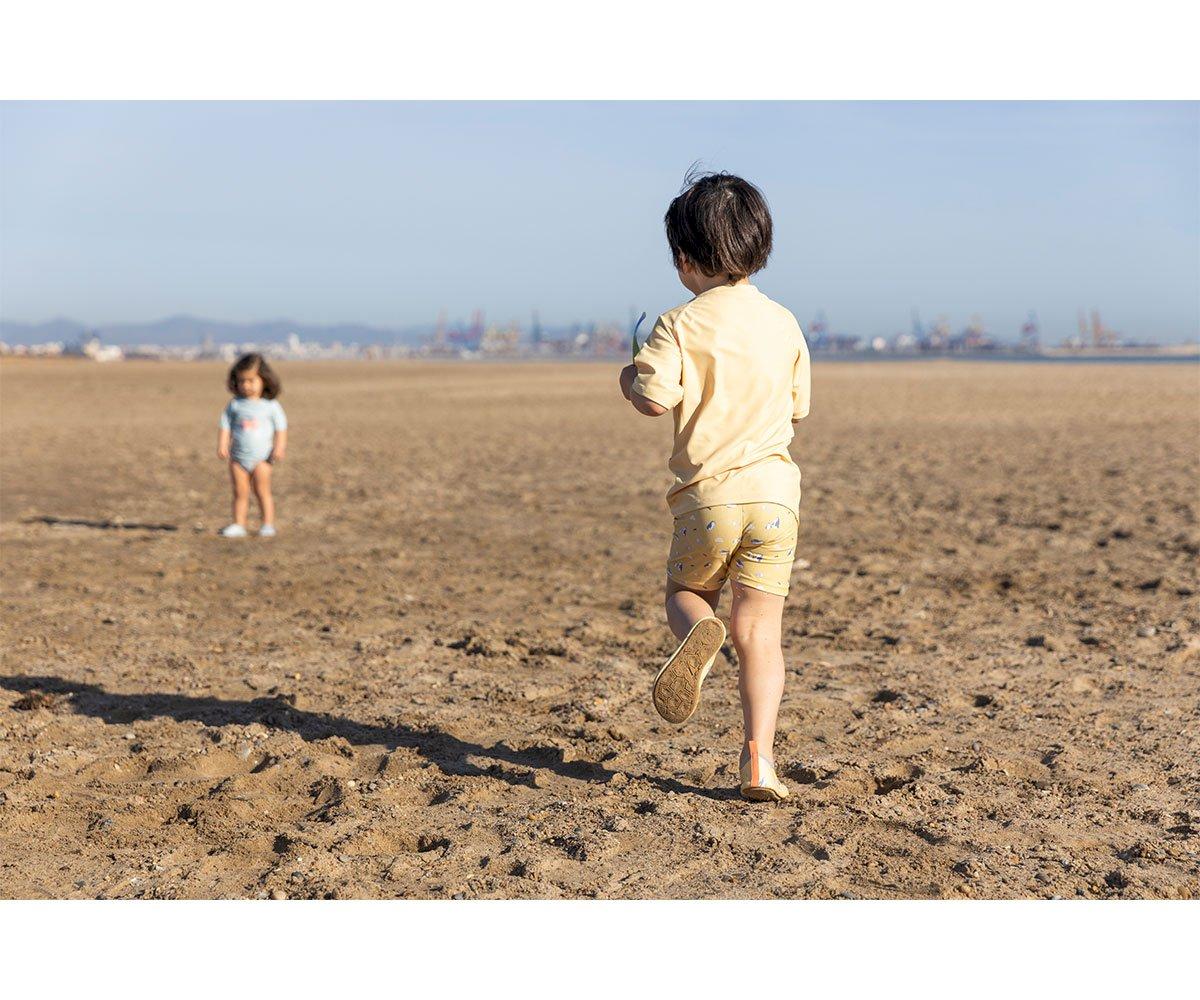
column 721, row 224
column 255, row 362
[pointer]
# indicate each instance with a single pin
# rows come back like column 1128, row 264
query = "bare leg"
column 756, row 624
column 676, row 689
column 241, row 492
column 686, row 607
column 261, row 479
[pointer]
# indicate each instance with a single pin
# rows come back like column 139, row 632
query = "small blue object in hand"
column 633, row 336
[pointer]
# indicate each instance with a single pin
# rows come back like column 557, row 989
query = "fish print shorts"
column 752, row 543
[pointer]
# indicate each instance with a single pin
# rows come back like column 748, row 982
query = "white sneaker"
column 760, row 783
column 266, row 531
column 233, row 531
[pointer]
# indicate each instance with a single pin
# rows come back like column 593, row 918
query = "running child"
column 252, row 438
column 732, row 368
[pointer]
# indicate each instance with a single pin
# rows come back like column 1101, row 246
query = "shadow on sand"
column 104, row 524
column 448, row 752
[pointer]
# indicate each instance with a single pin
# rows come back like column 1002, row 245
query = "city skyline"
column 384, row 214
column 185, row 329
column 192, row 339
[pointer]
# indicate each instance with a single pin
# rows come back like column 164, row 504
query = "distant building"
column 89, row 346
column 1031, row 335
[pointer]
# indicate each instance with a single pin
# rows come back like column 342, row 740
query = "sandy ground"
column 435, row 681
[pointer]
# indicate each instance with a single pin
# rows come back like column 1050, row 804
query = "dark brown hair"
column 721, row 224
column 255, row 362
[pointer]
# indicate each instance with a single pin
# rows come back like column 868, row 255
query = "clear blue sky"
column 387, row 212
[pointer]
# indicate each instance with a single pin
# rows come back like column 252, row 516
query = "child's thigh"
column 239, row 477
column 764, row 555
column 702, row 543
column 261, row 476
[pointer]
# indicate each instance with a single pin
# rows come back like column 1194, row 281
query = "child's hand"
column 223, row 452
column 628, row 374
column 276, row 456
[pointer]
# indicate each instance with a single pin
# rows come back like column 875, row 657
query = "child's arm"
column 652, row 382
column 279, row 445
column 640, row 402
column 801, row 384
column 223, row 435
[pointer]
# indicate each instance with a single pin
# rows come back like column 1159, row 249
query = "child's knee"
column 754, row 630
column 746, row 633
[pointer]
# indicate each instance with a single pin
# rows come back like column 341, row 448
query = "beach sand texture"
column 436, row 681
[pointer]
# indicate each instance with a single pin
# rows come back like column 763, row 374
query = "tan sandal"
column 759, row 780
column 677, row 686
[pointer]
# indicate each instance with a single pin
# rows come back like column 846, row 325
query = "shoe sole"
column 762, row 794
column 677, row 686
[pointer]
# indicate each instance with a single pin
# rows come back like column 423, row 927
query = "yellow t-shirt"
column 733, row 367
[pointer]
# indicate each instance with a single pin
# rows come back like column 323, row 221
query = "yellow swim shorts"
column 754, row 543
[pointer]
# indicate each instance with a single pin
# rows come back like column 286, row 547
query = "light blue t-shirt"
column 252, row 424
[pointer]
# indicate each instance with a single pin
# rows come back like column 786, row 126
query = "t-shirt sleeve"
column 278, row 416
column 226, row 421
column 801, row 383
column 660, row 368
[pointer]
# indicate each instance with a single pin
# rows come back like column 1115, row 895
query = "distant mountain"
column 41, row 333
column 180, row 331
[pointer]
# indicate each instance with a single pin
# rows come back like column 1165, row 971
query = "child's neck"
column 704, row 283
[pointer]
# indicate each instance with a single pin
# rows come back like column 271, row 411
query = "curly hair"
column 255, row 362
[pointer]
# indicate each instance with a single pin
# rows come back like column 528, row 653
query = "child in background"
column 732, row 368
column 253, row 436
